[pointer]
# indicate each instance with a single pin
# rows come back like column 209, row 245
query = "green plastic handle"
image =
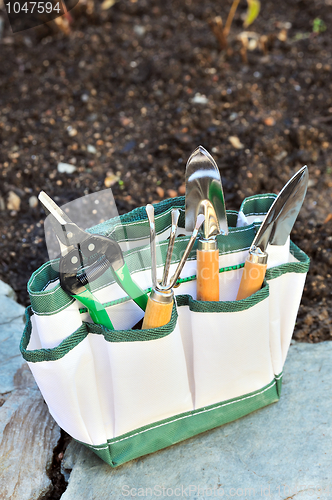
column 123, row 278
column 96, row 309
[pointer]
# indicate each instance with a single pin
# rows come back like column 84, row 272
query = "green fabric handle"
column 96, row 309
column 124, row 279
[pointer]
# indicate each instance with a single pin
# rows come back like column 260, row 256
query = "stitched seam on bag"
column 255, row 213
column 55, row 311
column 192, row 415
column 259, row 197
column 147, row 236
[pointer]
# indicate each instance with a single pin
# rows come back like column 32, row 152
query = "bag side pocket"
column 68, row 377
column 230, row 347
column 286, row 283
column 149, row 375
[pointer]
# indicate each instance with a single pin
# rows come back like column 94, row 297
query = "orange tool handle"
column 157, row 313
column 252, row 279
column 208, row 275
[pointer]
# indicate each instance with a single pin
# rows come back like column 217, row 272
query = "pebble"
column 71, row 131
column 13, row 202
column 199, row 99
column 66, row 168
column 139, row 30
column 160, row 191
column 111, row 179
column 172, row 193
column 269, row 121
column 235, row 142
column 91, row 149
column 2, row 204
column 182, row 189
column 33, row 201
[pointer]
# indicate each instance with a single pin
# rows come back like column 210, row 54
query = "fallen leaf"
column 254, row 6
column 235, row 142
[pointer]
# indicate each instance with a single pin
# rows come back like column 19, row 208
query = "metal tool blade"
column 150, row 213
column 204, row 194
column 175, row 214
column 52, row 208
column 283, row 212
column 66, row 232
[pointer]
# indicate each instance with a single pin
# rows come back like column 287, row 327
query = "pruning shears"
column 84, row 257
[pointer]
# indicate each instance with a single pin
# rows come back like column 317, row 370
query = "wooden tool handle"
column 252, row 279
column 157, row 313
column 208, row 275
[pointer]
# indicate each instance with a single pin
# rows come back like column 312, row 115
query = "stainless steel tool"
column 204, row 195
column 175, row 214
column 274, row 230
column 160, row 304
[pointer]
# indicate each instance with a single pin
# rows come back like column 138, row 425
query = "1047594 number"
column 30, row 7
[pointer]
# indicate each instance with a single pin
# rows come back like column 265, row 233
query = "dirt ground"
column 126, row 94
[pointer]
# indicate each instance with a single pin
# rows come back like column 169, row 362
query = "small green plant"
column 221, row 32
column 318, row 26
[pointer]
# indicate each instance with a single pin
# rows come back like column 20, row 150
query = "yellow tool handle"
column 157, row 313
column 208, row 275
column 252, row 279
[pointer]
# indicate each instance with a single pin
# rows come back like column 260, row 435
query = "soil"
column 126, row 94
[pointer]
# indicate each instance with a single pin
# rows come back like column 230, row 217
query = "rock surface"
column 28, row 434
column 282, row 451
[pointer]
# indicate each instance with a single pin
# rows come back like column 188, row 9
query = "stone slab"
column 28, row 434
column 281, row 451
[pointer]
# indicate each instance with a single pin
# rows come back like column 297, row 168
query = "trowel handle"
column 208, row 275
column 158, row 310
column 252, row 279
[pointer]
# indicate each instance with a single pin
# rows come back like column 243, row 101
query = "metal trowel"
column 204, row 195
column 274, row 230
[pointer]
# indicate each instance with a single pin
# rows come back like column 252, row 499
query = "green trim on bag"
column 227, row 306
column 131, row 335
column 138, row 259
column 290, row 267
column 159, row 435
column 134, row 225
column 257, row 204
column 58, row 352
column 278, row 379
column 50, row 354
column 51, row 301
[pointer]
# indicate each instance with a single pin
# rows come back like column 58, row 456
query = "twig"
column 230, row 17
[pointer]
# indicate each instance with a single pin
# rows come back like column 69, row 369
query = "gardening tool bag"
column 128, row 392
